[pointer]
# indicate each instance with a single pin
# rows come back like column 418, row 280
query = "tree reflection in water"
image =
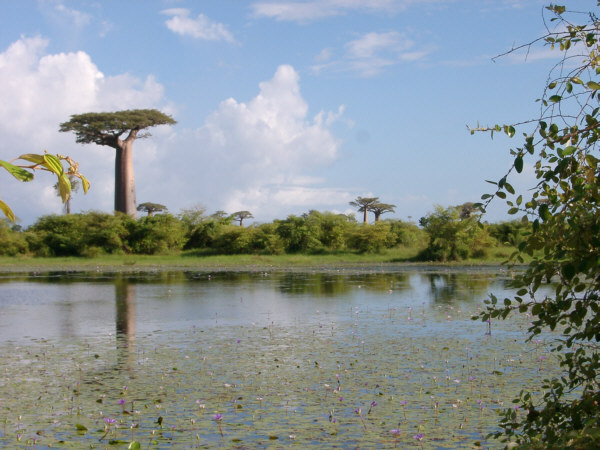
column 125, row 319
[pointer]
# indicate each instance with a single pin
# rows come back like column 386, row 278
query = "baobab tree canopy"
column 106, row 128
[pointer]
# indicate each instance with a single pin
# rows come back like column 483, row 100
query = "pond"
column 370, row 358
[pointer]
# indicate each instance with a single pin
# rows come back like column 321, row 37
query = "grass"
column 403, row 255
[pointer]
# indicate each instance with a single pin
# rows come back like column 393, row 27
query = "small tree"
column 239, row 216
column 363, row 204
column 106, row 129
column 151, row 208
column 381, row 208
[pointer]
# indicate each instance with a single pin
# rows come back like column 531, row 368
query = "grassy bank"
column 182, row 261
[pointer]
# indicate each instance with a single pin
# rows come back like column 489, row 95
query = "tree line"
column 444, row 235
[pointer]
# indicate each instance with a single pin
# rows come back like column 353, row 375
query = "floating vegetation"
column 373, row 375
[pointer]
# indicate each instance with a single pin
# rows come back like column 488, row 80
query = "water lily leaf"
column 134, row 445
column 80, row 427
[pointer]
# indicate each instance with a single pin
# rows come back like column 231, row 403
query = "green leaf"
column 7, row 211
column 568, row 271
column 80, row 427
column 32, row 157
column 85, row 183
column 18, row 172
column 134, row 445
column 544, row 212
column 593, row 85
column 555, row 98
column 592, row 161
column 519, row 164
column 64, row 187
column 53, row 164
column 569, row 150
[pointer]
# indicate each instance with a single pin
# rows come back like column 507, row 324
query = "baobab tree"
column 363, row 204
column 381, row 208
column 239, row 216
column 151, row 208
column 106, row 128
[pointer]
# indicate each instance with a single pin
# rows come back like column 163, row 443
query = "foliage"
column 89, row 234
column 564, row 242
column 105, row 128
column 12, row 242
column 159, row 234
column 510, row 233
column 372, row 238
column 453, row 236
column 94, row 234
column 299, row 234
column 48, row 163
column 407, row 234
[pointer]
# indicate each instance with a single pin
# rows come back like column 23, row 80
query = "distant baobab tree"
column 239, row 216
column 363, row 204
column 151, row 208
column 381, row 208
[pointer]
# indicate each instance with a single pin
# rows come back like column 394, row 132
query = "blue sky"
column 282, row 106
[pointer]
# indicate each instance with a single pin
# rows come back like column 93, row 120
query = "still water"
column 367, row 358
column 70, row 305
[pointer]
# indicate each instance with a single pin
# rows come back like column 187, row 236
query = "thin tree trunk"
column 365, row 216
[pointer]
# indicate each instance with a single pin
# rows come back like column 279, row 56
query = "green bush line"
column 315, row 237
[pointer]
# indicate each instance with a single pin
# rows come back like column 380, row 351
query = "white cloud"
column 200, row 28
column 254, row 155
column 305, row 11
column 79, row 18
column 371, row 53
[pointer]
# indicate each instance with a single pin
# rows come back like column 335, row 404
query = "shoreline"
column 183, row 264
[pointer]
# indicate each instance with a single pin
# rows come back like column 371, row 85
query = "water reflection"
column 91, row 304
column 125, row 321
column 449, row 288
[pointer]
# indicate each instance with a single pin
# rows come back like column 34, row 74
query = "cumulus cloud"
column 200, row 28
column 370, row 54
column 254, row 155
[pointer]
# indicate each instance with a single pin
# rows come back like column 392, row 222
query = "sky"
column 282, row 106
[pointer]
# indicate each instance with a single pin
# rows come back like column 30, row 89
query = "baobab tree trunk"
column 365, row 216
column 124, row 178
